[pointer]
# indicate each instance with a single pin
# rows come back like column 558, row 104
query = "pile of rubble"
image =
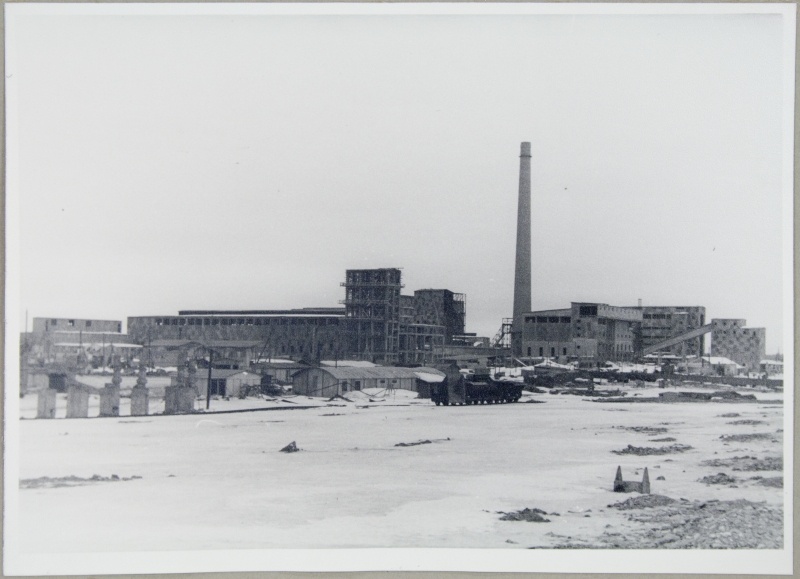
column 651, row 450
column 739, row 524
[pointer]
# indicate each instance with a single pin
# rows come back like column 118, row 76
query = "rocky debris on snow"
column 747, row 463
column 650, row 450
column 333, row 414
column 643, row 502
column 644, row 429
column 665, row 439
column 772, row 482
column 338, row 397
column 529, row 515
column 718, row 479
column 413, row 443
column 69, row 481
column 291, row 447
column 422, row 442
column 746, row 437
column 660, row 478
column 746, row 422
column 730, row 415
column 738, row 524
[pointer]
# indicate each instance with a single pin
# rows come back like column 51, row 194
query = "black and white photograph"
column 399, row 287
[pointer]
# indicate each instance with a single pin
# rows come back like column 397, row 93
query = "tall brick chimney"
column 522, row 269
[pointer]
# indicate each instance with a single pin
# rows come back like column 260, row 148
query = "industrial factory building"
column 377, row 324
column 585, row 332
column 732, row 339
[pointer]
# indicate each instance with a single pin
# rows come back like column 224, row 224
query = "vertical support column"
column 139, row 395
column 109, row 396
column 522, row 268
column 46, row 404
column 77, row 401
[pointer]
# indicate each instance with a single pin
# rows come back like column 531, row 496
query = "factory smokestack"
column 522, row 270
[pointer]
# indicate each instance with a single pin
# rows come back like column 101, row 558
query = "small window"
column 552, row 352
column 88, row 323
column 541, row 351
column 529, row 350
column 71, row 323
column 565, row 351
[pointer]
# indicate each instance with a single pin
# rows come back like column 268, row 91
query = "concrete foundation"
column 77, row 402
column 140, row 402
column 179, row 400
column 46, row 407
column 109, row 400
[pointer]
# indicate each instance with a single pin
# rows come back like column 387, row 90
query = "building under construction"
column 377, row 324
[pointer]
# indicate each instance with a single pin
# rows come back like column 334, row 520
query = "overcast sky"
column 244, row 162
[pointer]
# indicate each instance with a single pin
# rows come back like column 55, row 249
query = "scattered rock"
column 773, row 482
column 746, row 422
column 69, row 481
column 649, row 450
column 730, row 415
column 747, row 463
column 413, row 443
column 718, row 479
column 291, row 447
column 660, row 478
column 643, row 502
column 644, row 429
column 746, row 437
column 529, row 515
column 665, row 439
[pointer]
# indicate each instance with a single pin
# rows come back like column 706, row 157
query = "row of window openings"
column 243, row 322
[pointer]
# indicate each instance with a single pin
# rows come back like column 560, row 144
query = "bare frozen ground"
column 220, row 482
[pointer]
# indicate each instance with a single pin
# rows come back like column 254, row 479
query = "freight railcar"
column 477, row 388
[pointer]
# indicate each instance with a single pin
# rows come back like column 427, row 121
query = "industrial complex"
column 377, row 322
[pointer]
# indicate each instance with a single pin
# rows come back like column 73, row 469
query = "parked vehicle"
column 476, row 388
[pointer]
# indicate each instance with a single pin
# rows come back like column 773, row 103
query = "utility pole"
column 208, row 386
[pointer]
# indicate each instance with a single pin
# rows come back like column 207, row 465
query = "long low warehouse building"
column 328, row 382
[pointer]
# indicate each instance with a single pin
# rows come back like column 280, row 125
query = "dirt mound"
column 718, row 479
column 643, row 502
column 651, row 450
column 529, row 515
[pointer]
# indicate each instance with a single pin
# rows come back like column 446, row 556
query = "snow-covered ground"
column 218, row 481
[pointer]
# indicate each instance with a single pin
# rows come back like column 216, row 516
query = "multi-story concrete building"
column 731, row 339
column 441, row 307
column 587, row 332
column 660, row 323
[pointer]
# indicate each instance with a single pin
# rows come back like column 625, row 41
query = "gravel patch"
column 746, row 422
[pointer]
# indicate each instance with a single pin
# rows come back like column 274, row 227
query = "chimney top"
column 525, row 150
